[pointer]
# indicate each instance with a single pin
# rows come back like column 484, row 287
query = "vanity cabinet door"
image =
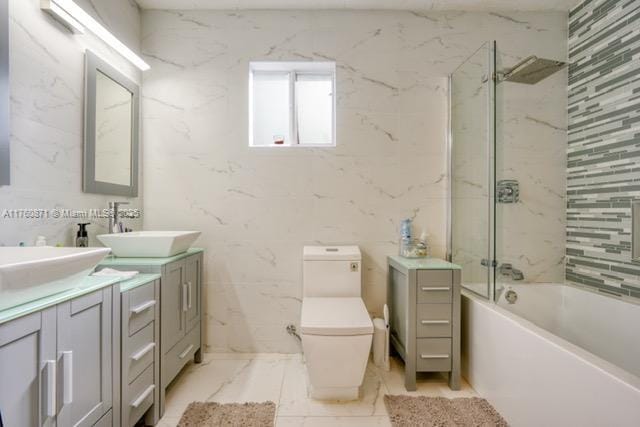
column 27, row 370
column 173, row 301
column 84, row 359
column 194, row 296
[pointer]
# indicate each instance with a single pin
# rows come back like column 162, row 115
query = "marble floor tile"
column 282, row 378
column 376, row 421
column 225, row 381
column 428, row 384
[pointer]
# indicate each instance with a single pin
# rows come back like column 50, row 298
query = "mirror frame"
column 93, row 64
column 5, row 164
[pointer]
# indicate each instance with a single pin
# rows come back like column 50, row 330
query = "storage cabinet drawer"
column 434, row 286
column 139, row 397
column 433, row 320
column 180, row 354
column 138, row 352
column 141, row 303
column 433, row 354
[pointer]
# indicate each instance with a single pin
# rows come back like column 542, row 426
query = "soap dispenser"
column 82, row 238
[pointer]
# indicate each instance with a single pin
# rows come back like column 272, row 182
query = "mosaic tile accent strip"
column 603, row 171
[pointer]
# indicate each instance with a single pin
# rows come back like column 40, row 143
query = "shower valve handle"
column 485, row 262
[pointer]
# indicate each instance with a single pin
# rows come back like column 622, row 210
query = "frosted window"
column 314, row 108
column 292, row 104
column 271, row 108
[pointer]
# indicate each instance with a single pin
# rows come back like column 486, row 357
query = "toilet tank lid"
column 331, row 253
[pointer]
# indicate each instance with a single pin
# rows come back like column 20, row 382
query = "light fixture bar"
column 61, row 16
column 77, row 14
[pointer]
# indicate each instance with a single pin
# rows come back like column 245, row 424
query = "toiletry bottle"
column 405, row 237
column 422, row 248
column 41, row 241
column 82, row 239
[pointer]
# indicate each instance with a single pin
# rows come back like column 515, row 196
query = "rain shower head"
column 531, row 70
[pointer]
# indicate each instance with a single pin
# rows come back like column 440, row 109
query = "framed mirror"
column 110, row 130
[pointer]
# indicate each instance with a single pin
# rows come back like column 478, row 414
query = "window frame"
column 294, row 69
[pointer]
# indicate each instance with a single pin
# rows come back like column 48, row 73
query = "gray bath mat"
column 441, row 412
column 211, row 414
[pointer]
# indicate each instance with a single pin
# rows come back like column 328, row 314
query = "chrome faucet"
column 114, row 207
column 508, row 270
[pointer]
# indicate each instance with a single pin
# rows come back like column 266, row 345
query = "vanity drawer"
column 138, row 352
column 141, row 307
column 434, row 286
column 433, row 354
column 139, row 397
column 179, row 355
column 433, row 320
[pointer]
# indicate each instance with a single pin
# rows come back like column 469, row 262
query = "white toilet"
column 336, row 327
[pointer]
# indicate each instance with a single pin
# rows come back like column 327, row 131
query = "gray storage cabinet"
column 140, row 354
column 180, row 309
column 424, row 306
column 56, row 364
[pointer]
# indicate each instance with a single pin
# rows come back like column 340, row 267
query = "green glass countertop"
column 427, row 263
column 111, row 261
column 137, row 280
column 89, row 284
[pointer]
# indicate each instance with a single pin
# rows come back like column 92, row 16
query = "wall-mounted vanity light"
column 77, row 20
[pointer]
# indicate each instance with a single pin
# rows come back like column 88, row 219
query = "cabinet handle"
column 434, row 356
column 437, row 288
column 434, row 322
column 142, row 307
column 189, row 293
column 184, row 353
column 143, row 396
column 67, row 377
column 184, row 297
column 50, row 388
column 140, row 354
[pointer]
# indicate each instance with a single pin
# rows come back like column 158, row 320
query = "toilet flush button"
column 354, row 266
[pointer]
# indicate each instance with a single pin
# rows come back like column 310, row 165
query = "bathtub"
column 559, row 356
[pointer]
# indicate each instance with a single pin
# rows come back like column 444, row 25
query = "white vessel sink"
column 30, row 273
column 149, row 244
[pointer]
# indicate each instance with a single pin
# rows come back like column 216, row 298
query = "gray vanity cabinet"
column 27, row 370
column 173, row 323
column 56, row 364
column 424, row 309
column 84, row 356
column 180, row 308
column 193, row 292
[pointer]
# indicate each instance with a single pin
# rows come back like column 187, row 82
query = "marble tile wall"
column 258, row 207
column 603, row 155
column 46, row 122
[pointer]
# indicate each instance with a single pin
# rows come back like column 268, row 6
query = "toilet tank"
column 332, row 271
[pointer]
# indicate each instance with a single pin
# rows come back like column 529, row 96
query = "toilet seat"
column 335, row 316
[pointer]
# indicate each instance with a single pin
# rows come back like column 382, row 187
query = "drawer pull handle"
column 67, row 377
column 143, row 396
column 140, row 354
column 184, row 353
column 436, row 288
column 434, row 356
column 434, row 322
column 142, row 307
column 185, row 296
column 50, row 388
column 189, row 294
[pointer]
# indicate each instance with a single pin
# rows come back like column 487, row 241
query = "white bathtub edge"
column 534, row 378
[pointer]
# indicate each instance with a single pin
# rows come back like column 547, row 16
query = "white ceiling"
column 436, row 5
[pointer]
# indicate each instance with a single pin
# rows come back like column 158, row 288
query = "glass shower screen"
column 472, row 170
